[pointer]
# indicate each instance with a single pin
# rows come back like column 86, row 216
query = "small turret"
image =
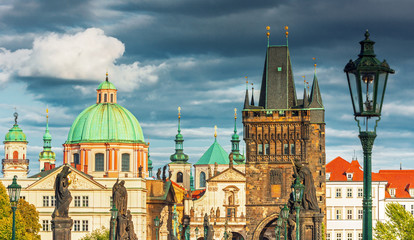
column 47, row 157
column 237, row 157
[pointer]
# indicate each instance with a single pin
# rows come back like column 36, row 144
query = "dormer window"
column 411, row 191
column 391, row 191
column 349, row 176
column 328, row 175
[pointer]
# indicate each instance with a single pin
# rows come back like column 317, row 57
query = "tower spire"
column 246, row 98
column 235, row 141
column 305, row 95
column 252, row 102
column 179, row 155
column 47, row 155
column 315, row 100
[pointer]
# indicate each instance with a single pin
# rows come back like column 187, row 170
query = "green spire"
column 237, row 157
column 47, row 152
column 15, row 133
column 149, row 164
column 179, row 156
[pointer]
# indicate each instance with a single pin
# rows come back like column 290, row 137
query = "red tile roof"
column 401, row 180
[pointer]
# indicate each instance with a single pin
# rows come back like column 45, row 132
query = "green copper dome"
column 15, row 134
column 106, row 85
column 214, row 154
column 105, row 122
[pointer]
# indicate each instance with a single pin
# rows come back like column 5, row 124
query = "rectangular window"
column 338, row 192
column 359, row 236
column 392, row 192
column 338, row 214
column 77, row 201
column 85, row 201
column 349, row 236
column 45, row 225
column 349, row 192
column 292, row 149
column 52, row 201
column 286, row 149
column 328, row 192
column 125, row 162
column 260, row 149
column 360, row 192
column 339, row 236
column 45, row 201
column 76, row 225
column 85, row 225
column 360, row 213
column 328, row 236
column 349, row 214
column 412, row 209
column 267, row 149
column 99, row 162
column 23, row 197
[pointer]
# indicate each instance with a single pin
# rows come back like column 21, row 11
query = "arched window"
column 292, row 149
column 286, row 149
column 76, row 158
column 260, row 149
column 202, row 179
column 112, row 98
column 179, row 177
column 105, row 97
column 99, row 98
column 267, row 149
column 125, row 162
column 15, row 155
column 99, row 162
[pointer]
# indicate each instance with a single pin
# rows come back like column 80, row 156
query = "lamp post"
column 279, row 223
column 157, row 224
column 186, row 223
column 196, row 232
column 367, row 81
column 285, row 216
column 114, row 215
column 14, row 195
column 298, row 189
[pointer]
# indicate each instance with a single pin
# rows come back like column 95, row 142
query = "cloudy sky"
column 195, row 54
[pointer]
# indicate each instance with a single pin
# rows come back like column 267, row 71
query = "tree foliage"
column 27, row 218
column 98, row 234
column 400, row 225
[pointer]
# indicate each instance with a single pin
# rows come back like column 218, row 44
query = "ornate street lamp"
column 186, row 223
column 279, row 223
column 367, row 81
column 156, row 224
column 114, row 215
column 298, row 189
column 285, row 216
column 14, row 195
column 196, row 232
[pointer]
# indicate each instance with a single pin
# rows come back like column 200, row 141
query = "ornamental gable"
column 229, row 175
column 79, row 181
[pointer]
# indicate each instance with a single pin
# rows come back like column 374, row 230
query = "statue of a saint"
column 62, row 194
column 164, row 169
column 130, row 227
column 120, row 197
column 159, row 174
column 218, row 212
column 309, row 201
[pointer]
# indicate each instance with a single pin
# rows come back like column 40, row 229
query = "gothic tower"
column 279, row 131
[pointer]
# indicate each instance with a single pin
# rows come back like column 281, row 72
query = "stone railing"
column 15, row 161
column 220, row 219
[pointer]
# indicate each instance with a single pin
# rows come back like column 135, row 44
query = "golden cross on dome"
column 235, row 113
column 179, row 112
column 215, row 131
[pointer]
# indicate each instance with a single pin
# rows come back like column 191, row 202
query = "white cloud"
column 83, row 55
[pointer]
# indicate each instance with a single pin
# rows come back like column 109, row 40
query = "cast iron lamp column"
column 14, row 195
column 114, row 215
column 156, row 223
column 367, row 81
column 279, row 223
column 285, row 216
column 196, row 232
column 298, row 189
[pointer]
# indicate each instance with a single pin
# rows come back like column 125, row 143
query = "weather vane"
column 215, row 131
column 15, row 115
column 235, row 113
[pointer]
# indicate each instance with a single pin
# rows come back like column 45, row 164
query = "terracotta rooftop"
column 401, row 180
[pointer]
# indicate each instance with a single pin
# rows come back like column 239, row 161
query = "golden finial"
column 179, row 112
column 286, row 29
column 47, row 111
column 247, row 81
column 268, row 34
column 235, row 113
column 314, row 65
column 268, row 28
column 215, row 131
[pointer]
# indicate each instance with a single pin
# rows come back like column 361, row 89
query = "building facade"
column 279, row 131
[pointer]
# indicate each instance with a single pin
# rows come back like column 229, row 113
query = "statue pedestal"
column 164, row 235
column 311, row 225
column 62, row 228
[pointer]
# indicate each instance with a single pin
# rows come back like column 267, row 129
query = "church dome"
column 105, row 121
column 15, row 134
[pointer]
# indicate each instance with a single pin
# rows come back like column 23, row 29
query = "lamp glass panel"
column 367, row 90
column 279, row 222
column 382, row 76
column 354, row 91
column 297, row 193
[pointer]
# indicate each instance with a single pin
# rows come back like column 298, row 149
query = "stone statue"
column 130, row 227
column 120, row 197
column 140, row 171
column 217, row 212
column 212, row 213
column 163, row 173
column 292, row 226
column 169, row 174
column 210, row 175
column 159, row 174
column 309, row 201
column 62, row 194
column 192, row 212
column 206, row 226
column 164, row 219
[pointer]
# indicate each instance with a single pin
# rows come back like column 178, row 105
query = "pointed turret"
column 305, row 94
column 246, row 98
column 191, row 180
column 237, row 157
column 179, row 156
column 315, row 100
column 252, row 102
column 278, row 87
column 47, row 157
